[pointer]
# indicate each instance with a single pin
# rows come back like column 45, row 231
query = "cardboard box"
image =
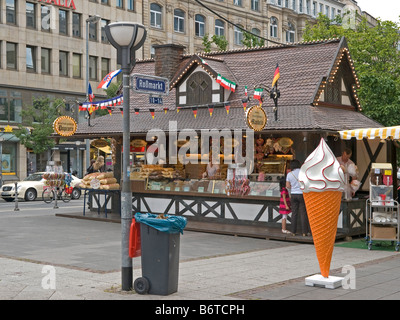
column 383, row 232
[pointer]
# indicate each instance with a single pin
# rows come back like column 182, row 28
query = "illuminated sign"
column 256, row 118
column 65, row 126
column 60, row 3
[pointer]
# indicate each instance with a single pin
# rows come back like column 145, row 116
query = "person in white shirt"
column 297, row 200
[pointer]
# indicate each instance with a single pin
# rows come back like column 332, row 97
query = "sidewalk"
column 275, row 273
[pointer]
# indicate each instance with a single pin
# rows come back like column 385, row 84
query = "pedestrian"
column 99, row 166
column 284, row 204
column 90, row 169
column 297, row 200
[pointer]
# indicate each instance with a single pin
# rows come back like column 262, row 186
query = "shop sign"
column 65, row 126
column 256, row 118
column 99, row 143
column 61, row 3
column 138, row 143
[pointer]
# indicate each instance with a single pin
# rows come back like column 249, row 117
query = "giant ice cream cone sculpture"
column 322, row 181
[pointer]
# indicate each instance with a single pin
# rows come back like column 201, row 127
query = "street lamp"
column 126, row 37
column 93, row 19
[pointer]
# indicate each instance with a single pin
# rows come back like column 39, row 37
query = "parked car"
column 32, row 187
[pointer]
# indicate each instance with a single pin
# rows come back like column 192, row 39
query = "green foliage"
column 40, row 117
column 207, row 43
column 376, row 57
column 219, row 41
column 250, row 40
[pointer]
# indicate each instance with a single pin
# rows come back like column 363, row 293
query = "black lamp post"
column 126, row 37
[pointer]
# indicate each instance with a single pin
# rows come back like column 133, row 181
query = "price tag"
column 167, row 188
column 177, row 189
column 186, row 189
column 200, row 189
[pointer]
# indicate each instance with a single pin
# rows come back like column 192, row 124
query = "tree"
column 376, row 57
column 219, row 41
column 251, row 40
column 40, row 117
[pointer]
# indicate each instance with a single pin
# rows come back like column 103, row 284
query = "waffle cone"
column 323, row 211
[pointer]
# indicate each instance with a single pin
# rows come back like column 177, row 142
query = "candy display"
column 322, row 181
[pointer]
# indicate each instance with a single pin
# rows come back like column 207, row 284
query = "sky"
column 383, row 9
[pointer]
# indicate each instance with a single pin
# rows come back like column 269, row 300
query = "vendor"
column 350, row 172
column 212, row 170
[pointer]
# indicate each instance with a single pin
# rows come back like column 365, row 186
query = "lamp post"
column 93, row 19
column 126, row 37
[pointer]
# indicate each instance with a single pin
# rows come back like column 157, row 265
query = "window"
column 339, row 13
column 10, row 106
column 105, row 67
column 308, row 7
column 290, row 33
column 152, row 52
column 321, row 8
column 11, row 14
column 76, row 65
column 286, row 3
column 255, row 5
column 294, row 5
column 63, row 21
column 327, row 11
column 130, row 4
column 219, row 27
column 314, row 9
column 30, row 15
column 63, row 63
column 11, row 55
column 76, row 25
column 45, row 60
column 333, row 13
column 237, row 3
column 179, row 20
column 155, row 15
column 273, row 28
column 92, row 68
column 104, row 2
column 93, row 31
column 301, row 5
column 120, row 4
column 279, row 2
column 238, row 35
column 103, row 24
column 199, row 25
column 30, row 59
column 45, row 18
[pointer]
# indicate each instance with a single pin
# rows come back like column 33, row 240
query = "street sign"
column 149, row 84
column 155, row 100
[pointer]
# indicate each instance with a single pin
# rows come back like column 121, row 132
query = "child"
column 284, row 205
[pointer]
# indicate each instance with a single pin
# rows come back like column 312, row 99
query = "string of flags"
column 104, row 104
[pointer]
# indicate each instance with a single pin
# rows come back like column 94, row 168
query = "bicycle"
column 49, row 193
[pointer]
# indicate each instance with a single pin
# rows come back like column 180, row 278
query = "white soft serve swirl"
column 321, row 171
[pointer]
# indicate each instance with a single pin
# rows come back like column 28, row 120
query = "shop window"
column 11, row 12
column 155, row 15
column 219, row 27
column 30, row 11
column 10, row 106
column 76, row 25
column 199, row 25
column 179, row 20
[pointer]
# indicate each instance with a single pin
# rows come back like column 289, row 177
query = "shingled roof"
column 303, row 67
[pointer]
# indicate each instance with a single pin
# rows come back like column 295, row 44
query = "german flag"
column 276, row 76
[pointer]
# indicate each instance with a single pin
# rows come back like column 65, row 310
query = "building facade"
column 43, row 50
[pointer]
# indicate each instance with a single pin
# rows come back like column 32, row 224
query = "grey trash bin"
column 160, row 244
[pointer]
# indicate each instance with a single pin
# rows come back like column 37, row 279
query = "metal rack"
column 382, row 211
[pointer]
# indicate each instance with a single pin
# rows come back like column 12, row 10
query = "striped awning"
column 371, row 133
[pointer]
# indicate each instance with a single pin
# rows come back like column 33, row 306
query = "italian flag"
column 218, row 78
column 225, row 83
column 258, row 93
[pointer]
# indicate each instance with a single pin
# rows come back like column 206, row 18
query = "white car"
column 32, row 187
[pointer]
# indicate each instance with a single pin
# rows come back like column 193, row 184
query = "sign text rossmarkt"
column 149, row 84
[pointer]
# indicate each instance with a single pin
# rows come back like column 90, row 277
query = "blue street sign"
column 150, row 84
column 155, row 100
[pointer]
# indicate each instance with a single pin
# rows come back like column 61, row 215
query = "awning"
column 371, row 133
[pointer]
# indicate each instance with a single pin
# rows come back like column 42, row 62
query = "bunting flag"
column 90, row 93
column 218, row 78
column 203, row 61
column 277, row 75
column 226, row 83
column 136, row 110
column 194, row 109
column 107, row 79
column 152, row 113
column 109, row 111
column 122, row 111
column 178, row 109
column 233, row 86
column 227, row 107
column 165, row 110
column 258, row 93
column 244, row 101
column 210, row 109
column 245, row 91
